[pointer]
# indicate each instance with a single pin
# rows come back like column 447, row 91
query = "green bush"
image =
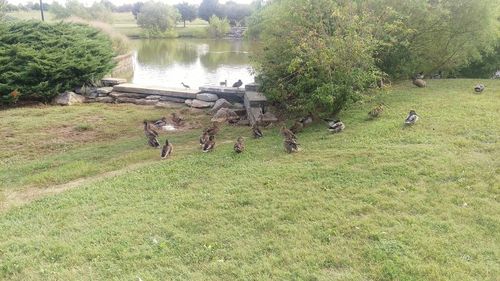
column 157, row 17
column 218, row 27
column 40, row 60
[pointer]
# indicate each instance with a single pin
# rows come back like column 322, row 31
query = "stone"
column 172, row 99
column 153, row 97
column 167, row 104
column 160, row 91
column 92, row 95
column 188, row 102
column 220, row 103
column 105, row 99
column 225, row 114
column 104, row 90
column 145, row 102
column 127, row 95
column 253, row 87
column 238, row 105
column 243, row 122
column 125, row 100
column 201, row 104
column 69, row 98
column 113, row 81
column 207, row 97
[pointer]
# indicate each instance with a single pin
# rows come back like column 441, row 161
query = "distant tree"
column 136, row 9
column 106, row 3
column 236, row 13
column 59, row 11
column 35, row 6
column 124, row 8
column 218, row 27
column 3, row 9
column 209, row 8
column 157, row 16
column 188, row 12
column 100, row 12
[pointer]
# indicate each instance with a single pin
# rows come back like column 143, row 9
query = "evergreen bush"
column 40, row 60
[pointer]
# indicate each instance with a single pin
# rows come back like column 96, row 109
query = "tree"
column 188, row 12
column 3, row 9
column 218, row 27
column 157, row 16
column 136, row 9
column 209, row 8
column 315, row 55
column 59, row 11
column 235, row 12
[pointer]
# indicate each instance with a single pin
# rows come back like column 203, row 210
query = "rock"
column 201, row 104
column 243, row 122
column 104, row 91
column 153, row 97
column 69, row 98
column 207, row 97
column 113, row 81
column 254, row 87
column 220, row 103
column 166, row 104
column 238, row 105
column 225, row 114
column 92, row 95
column 145, row 102
column 188, row 102
column 172, row 99
column 127, row 95
column 105, row 99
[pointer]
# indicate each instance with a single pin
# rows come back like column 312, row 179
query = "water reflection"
column 168, row 62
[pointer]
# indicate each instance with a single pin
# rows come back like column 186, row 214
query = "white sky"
column 120, row 2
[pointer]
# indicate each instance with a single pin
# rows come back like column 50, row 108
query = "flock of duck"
column 290, row 141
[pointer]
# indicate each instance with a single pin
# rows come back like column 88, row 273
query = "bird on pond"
column 290, row 145
column 412, row 118
column 336, row 126
column 166, row 150
column 479, row 88
column 238, row 84
column 185, row 86
column 224, row 83
column 257, row 133
column 177, row 119
column 209, row 145
column 377, row 111
column 239, row 146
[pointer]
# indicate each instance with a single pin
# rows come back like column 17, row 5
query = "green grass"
column 375, row 202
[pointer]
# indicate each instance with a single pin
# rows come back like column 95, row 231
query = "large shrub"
column 40, row 60
column 157, row 17
column 218, row 27
column 316, row 55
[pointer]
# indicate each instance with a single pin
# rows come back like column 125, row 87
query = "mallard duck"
column 237, row 84
column 153, row 141
column 336, row 126
column 212, row 131
column 166, row 150
column 285, row 132
column 239, row 146
column 412, row 118
column 148, row 129
column 204, row 138
column 297, row 127
column 160, row 123
column 419, row 82
column 377, row 111
column 223, row 83
column 185, row 86
column 257, row 133
column 209, row 145
column 290, row 145
column 177, row 119
column 479, row 88
column 307, row 120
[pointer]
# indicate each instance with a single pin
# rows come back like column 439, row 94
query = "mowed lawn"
column 375, row 202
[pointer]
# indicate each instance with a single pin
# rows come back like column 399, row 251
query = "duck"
column 412, row 118
column 239, row 146
column 419, row 82
column 257, row 133
column 290, row 145
column 204, row 138
column 479, row 88
column 166, row 150
column 185, row 86
column 297, row 127
column 212, row 131
column 307, row 120
column 237, row 84
column 177, row 119
column 148, row 129
column 377, row 111
column 285, row 132
column 153, row 141
column 336, row 126
column 224, row 83
column 160, row 123
column 209, row 145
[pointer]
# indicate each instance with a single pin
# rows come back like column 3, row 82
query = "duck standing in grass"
column 307, row 120
column 209, row 145
column 212, row 131
column 287, row 134
column 479, row 88
column 257, row 133
column 151, row 134
column 419, row 82
column 297, row 127
column 166, row 150
column 160, row 123
column 204, row 138
column 412, row 118
column 376, row 112
column 177, row 119
column 290, row 145
column 239, row 146
column 336, row 126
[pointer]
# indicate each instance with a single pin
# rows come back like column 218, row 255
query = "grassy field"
column 376, row 202
column 126, row 24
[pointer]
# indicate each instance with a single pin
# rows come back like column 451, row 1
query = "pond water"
column 196, row 62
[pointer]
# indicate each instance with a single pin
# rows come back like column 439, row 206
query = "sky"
column 120, row 2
